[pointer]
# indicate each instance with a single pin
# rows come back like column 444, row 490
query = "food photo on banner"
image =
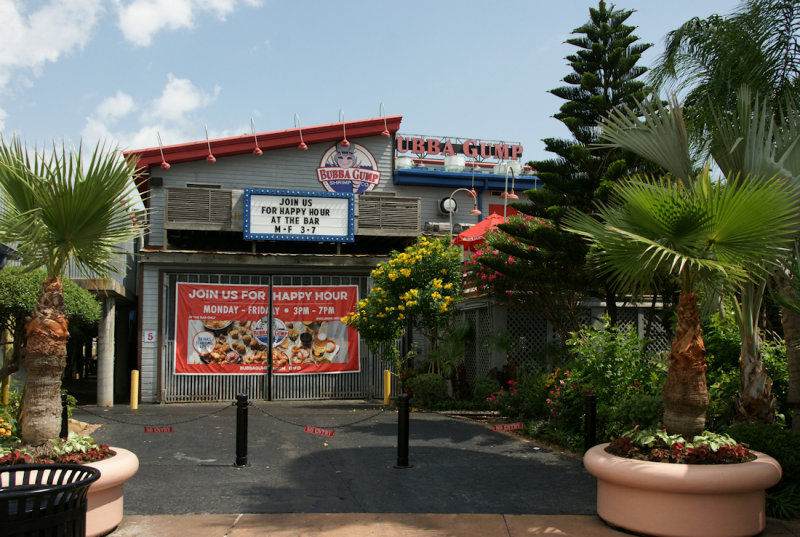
column 225, row 329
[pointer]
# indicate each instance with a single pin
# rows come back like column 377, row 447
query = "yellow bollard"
column 135, row 389
column 387, row 386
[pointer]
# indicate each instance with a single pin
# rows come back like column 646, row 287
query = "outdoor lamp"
column 344, row 141
column 302, row 146
column 164, row 163
column 210, row 157
column 449, row 205
column 257, row 151
column 506, row 195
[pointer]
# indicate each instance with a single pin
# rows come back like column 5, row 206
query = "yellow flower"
column 393, row 276
column 443, row 271
column 448, row 285
column 414, row 292
column 401, row 307
column 436, row 294
column 437, row 283
column 401, row 317
column 405, row 272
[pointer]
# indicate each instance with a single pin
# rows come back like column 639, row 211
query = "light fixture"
column 475, row 211
column 257, row 151
column 210, row 157
column 506, row 194
column 344, row 142
column 302, row 146
column 382, row 112
column 164, row 163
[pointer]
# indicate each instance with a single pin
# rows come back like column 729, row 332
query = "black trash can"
column 44, row 500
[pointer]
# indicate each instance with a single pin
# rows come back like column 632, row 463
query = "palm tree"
column 56, row 209
column 705, row 233
column 758, row 45
column 709, row 59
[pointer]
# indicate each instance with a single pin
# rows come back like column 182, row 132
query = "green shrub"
column 783, row 500
column 483, row 389
column 613, row 363
column 523, row 398
column 427, row 390
column 642, row 410
column 723, row 348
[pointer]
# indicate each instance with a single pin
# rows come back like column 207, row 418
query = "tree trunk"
column 45, row 357
column 685, row 392
column 754, row 402
column 791, row 332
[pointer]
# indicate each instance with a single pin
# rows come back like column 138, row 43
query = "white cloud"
column 173, row 114
column 118, row 106
column 140, row 20
column 179, row 98
column 29, row 40
column 3, row 116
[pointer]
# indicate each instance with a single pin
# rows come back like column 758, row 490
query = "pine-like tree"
column 604, row 76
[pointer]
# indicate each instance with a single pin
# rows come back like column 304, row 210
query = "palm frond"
column 707, row 232
column 653, row 132
column 67, row 208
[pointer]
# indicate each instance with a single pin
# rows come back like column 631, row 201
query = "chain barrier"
column 340, row 426
column 170, row 424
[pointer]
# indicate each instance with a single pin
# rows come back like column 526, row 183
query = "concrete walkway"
column 465, row 478
column 384, row 525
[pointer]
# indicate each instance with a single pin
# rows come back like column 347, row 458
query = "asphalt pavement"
column 187, row 464
column 329, row 468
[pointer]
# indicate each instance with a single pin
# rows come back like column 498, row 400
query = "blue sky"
column 124, row 70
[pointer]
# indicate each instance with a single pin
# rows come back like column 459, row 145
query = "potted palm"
column 708, row 235
column 55, row 210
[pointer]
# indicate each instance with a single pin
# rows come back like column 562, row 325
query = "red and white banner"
column 225, row 329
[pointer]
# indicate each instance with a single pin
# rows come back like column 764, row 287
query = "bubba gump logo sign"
column 350, row 169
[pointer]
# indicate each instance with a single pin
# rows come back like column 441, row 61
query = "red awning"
column 472, row 237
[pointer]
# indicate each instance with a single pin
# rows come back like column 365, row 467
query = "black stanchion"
column 64, row 417
column 241, row 430
column 402, row 430
column 590, row 422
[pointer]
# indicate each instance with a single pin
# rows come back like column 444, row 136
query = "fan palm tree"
column 55, row 210
column 757, row 45
column 755, row 139
column 720, row 235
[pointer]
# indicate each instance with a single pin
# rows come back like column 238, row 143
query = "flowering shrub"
column 658, row 446
column 419, row 287
column 501, row 253
column 75, row 449
column 520, row 398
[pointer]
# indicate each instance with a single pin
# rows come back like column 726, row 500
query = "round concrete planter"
column 682, row 500
column 104, row 500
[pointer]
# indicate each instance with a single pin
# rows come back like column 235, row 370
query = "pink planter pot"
column 104, row 499
column 682, row 500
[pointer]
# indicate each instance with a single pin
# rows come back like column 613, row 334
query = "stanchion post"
column 135, row 389
column 402, row 430
column 387, row 386
column 590, row 422
column 241, row 430
column 64, row 417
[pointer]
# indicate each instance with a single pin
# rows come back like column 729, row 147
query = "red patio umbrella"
column 472, row 237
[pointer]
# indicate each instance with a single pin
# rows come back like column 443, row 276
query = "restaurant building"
column 258, row 244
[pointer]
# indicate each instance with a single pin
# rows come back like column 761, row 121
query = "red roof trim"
column 240, row 145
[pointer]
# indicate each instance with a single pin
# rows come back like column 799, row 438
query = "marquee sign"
column 469, row 148
column 351, row 169
column 294, row 215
